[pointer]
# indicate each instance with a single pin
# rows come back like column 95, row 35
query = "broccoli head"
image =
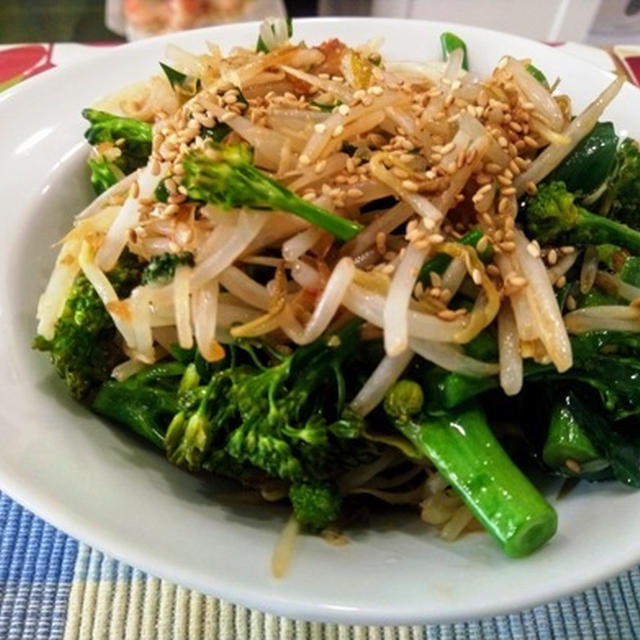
column 84, row 348
column 552, row 216
column 224, row 175
column 122, row 145
column 162, row 268
column 315, row 505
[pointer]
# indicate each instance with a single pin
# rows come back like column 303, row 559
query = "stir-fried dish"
column 347, row 282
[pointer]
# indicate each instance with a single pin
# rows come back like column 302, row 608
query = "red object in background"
column 632, row 64
column 24, row 61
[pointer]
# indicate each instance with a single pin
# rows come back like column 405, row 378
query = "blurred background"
column 592, row 21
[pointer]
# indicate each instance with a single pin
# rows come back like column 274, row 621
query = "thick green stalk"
column 464, row 450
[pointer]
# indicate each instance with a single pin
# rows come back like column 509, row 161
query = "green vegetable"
column 440, row 262
column 84, row 349
column 621, row 201
column 326, row 107
column 450, row 42
column 590, row 164
column 614, row 448
column 630, row 271
column 462, row 447
column 552, row 216
column 181, row 82
column 102, row 174
column 224, row 175
column 162, row 268
column 607, row 361
column 132, row 137
column 315, row 506
column 217, row 133
column 537, row 74
column 286, row 420
column 567, row 448
column 262, row 47
column 144, row 401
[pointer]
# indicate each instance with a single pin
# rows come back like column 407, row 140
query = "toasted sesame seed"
column 518, row 281
column 530, row 142
column 338, row 131
column 448, row 101
column 305, row 160
column 560, row 282
column 503, row 142
column 375, row 90
column 570, row 303
column 507, row 246
column 533, row 249
column 227, row 116
column 503, row 180
column 483, row 244
column 436, row 238
column 531, row 188
column 447, row 148
column 355, row 193
column 359, row 95
column 428, row 224
column 410, row 185
column 344, row 110
column 320, row 128
column 310, row 195
column 514, row 168
column 552, row 257
column 568, row 250
column 492, row 168
column 134, row 191
column 572, row 465
column 509, row 191
column 447, row 314
column 503, row 204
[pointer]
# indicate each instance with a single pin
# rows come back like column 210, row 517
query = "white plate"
column 105, row 488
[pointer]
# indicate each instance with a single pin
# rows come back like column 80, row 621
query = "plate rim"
column 68, row 521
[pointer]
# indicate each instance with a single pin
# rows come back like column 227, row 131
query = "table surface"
column 54, row 587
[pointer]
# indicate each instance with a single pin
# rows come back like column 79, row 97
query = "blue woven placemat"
column 53, row 587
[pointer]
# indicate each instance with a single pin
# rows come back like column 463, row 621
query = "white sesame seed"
column 375, row 90
column 320, row 128
column 344, row 110
column 338, row 131
column 321, row 165
column 533, row 249
column 305, row 160
column 410, row 185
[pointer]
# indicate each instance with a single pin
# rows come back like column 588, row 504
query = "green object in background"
column 53, row 21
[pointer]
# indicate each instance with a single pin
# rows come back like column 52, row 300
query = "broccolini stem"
column 225, row 176
column 592, row 228
column 462, row 447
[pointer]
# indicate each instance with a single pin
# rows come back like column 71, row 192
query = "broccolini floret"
column 224, row 175
column 84, row 348
column 622, row 199
column 315, row 505
column 122, row 145
column 162, row 268
column 552, row 216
